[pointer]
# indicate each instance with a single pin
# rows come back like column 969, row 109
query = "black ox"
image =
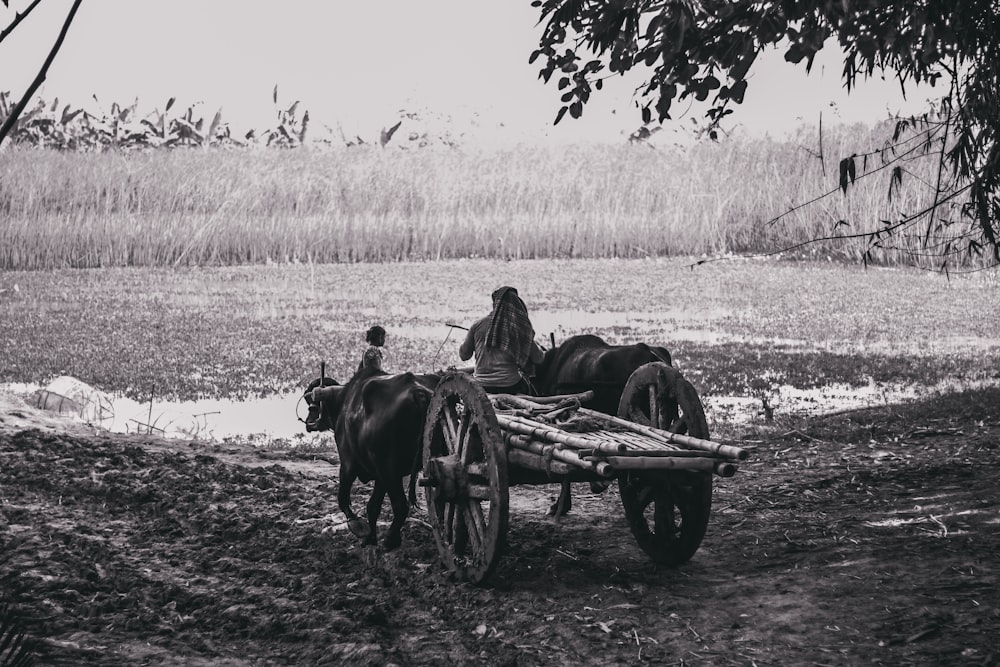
column 378, row 421
column 587, row 362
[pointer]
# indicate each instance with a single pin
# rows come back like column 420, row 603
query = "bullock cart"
column 476, row 446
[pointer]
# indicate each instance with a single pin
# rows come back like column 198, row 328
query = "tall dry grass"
column 217, row 206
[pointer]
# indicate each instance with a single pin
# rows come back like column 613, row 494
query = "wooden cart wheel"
column 465, row 477
column 667, row 512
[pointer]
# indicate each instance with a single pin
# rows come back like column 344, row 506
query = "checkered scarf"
column 510, row 329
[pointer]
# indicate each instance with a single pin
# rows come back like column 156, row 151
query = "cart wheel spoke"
column 461, row 532
column 475, row 514
column 449, row 420
column 665, row 528
column 475, row 526
column 455, row 527
column 644, row 496
column 654, row 407
column 463, row 429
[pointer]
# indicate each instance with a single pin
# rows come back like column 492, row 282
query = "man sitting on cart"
column 504, row 345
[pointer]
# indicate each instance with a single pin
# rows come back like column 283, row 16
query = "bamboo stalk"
column 606, row 448
column 525, row 459
column 655, row 453
column 546, row 400
column 698, row 464
column 725, row 468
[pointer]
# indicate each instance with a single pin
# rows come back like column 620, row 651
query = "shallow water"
column 264, row 420
column 273, row 417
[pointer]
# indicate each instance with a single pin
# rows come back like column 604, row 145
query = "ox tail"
column 413, row 475
column 423, row 399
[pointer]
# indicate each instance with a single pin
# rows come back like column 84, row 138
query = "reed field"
column 231, row 206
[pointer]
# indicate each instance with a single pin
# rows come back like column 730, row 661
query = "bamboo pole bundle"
column 727, row 451
column 636, row 447
column 550, row 434
column 519, row 441
column 550, row 457
column 661, row 436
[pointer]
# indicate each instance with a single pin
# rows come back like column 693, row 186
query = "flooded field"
column 220, row 353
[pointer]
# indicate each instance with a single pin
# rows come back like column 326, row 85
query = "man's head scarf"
column 510, row 329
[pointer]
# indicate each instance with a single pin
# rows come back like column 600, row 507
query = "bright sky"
column 357, row 64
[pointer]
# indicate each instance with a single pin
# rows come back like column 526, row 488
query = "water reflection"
column 274, row 417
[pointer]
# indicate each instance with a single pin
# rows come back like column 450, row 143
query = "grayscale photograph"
column 547, row 332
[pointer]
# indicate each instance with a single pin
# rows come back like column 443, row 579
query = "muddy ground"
column 869, row 537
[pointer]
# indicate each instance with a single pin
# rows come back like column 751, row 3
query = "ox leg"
column 357, row 526
column 400, row 509
column 374, row 509
column 563, row 504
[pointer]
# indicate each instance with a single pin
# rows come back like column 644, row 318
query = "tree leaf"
column 896, row 180
column 737, row 90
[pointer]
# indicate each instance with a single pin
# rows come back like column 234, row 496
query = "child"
column 373, row 356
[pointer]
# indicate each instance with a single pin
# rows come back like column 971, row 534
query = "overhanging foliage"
column 704, row 49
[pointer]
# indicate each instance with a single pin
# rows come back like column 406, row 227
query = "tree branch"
column 887, row 229
column 952, row 92
column 17, row 19
column 837, row 189
column 8, row 124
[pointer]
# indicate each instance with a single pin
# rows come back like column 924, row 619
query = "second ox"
column 588, row 362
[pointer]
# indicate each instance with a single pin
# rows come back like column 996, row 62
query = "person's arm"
column 468, row 346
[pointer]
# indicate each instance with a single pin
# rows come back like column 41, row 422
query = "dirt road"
column 868, row 538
